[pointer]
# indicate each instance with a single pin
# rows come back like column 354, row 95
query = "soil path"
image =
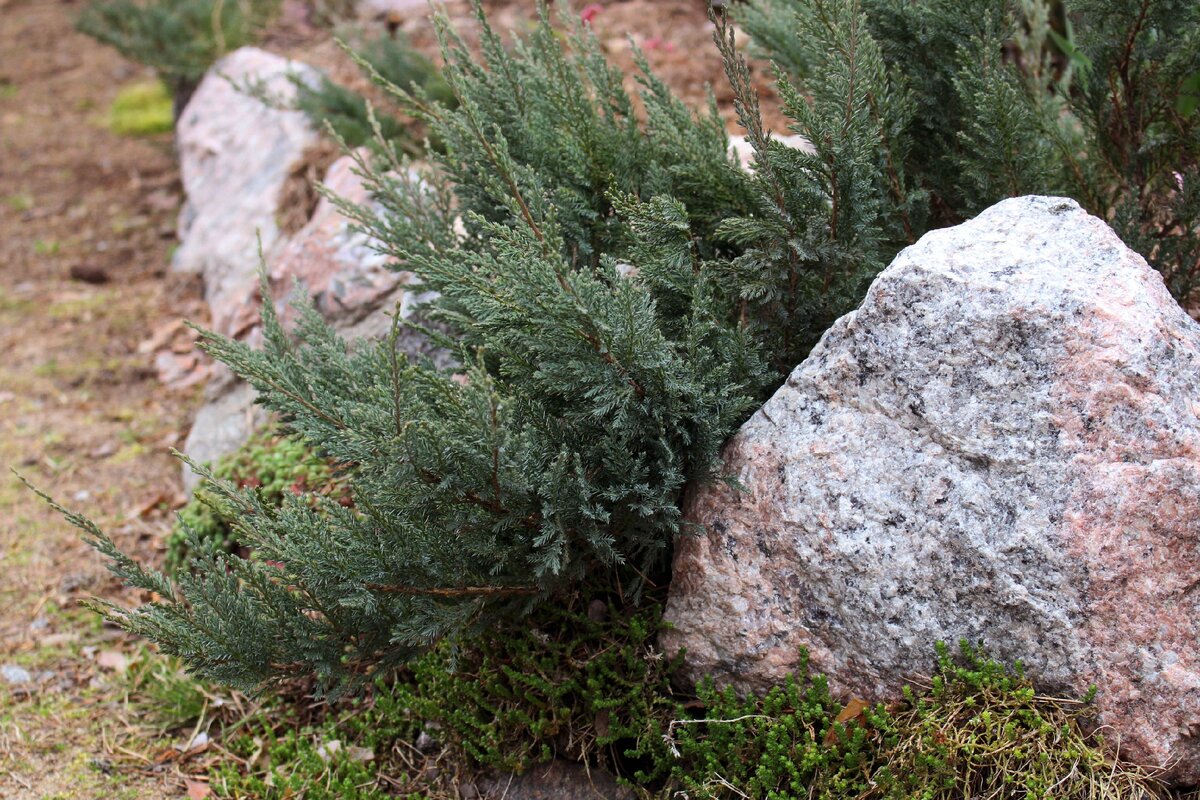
column 82, row 414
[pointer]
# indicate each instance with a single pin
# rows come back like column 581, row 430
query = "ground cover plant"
column 586, row 682
column 978, row 729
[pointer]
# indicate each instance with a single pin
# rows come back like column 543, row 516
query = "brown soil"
column 83, row 414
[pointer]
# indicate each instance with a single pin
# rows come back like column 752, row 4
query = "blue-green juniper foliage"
column 618, row 295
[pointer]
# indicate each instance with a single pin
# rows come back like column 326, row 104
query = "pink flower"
column 1178, row 180
column 590, row 11
column 656, row 42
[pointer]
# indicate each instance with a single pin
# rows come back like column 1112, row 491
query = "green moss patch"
column 142, row 109
column 270, row 463
column 587, row 683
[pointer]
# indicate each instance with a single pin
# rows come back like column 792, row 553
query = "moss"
column 978, row 730
column 586, row 682
column 301, row 763
column 273, row 465
column 142, row 109
column 576, row 685
column 773, row 745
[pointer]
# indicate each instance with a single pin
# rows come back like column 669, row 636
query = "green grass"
column 21, row 201
column 47, row 247
column 13, row 306
column 168, row 697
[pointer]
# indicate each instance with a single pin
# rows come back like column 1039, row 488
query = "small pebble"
column 15, row 675
column 103, row 450
column 426, row 743
column 360, row 754
column 327, row 750
column 89, row 273
column 597, row 610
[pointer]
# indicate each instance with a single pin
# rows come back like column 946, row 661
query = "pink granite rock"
column 1001, row 444
column 340, row 268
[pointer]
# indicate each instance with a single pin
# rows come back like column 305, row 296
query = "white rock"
column 235, row 154
column 397, row 10
column 225, row 421
column 745, row 151
column 15, row 675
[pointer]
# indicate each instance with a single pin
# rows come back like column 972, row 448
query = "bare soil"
column 82, row 415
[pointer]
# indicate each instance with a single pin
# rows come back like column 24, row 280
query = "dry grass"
column 980, row 731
